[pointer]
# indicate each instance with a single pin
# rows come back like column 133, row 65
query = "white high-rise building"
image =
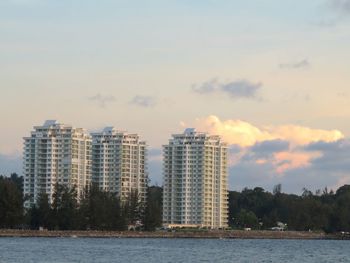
column 195, row 181
column 119, row 163
column 55, row 153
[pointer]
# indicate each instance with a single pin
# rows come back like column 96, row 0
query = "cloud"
column 332, row 165
column 144, row 101
column 241, row 89
column 207, row 87
column 235, row 89
column 246, row 134
column 102, row 100
column 262, row 152
column 334, row 157
column 339, row 11
column 280, row 155
column 303, row 135
column 313, row 166
column 289, row 160
column 342, row 6
column 294, row 155
column 296, row 65
column 271, row 146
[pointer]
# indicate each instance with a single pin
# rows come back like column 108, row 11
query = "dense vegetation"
column 11, row 201
column 323, row 210
column 98, row 210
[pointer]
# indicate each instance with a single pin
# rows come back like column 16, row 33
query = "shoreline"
column 210, row 234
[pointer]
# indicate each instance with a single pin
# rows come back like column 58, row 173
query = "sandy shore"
column 178, row 234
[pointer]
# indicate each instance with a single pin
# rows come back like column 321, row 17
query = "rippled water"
column 170, row 250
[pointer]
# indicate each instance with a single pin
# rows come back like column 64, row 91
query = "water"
column 40, row 250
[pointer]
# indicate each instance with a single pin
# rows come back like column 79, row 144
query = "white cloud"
column 289, row 154
column 246, row 134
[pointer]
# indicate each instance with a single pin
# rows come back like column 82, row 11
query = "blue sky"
column 138, row 65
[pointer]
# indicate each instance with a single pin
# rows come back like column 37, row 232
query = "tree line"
column 256, row 208
column 95, row 210
column 323, row 210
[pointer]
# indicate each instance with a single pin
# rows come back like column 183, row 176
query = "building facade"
column 119, row 163
column 195, row 181
column 55, row 153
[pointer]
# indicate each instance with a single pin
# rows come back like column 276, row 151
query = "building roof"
column 48, row 123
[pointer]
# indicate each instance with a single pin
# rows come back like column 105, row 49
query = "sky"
column 271, row 77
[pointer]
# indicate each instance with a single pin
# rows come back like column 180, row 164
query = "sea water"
column 40, row 250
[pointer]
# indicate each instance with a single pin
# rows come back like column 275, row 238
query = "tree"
column 17, row 180
column 306, row 193
column 277, row 189
column 11, row 204
column 101, row 210
column 133, row 208
column 340, row 217
column 64, row 208
column 153, row 211
column 40, row 213
column 247, row 219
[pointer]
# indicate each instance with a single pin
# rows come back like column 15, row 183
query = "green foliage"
column 133, row 209
column 323, row 210
column 277, row 189
column 11, row 203
column 247, row 219
column 40, row 214
column 64, row 208
column 153, row 211
column 95, row 210
column 101, row 210
column 17, row 180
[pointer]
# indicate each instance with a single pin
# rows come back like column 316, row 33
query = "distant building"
column 195, row 181
column 119, row 163
column 55, row 153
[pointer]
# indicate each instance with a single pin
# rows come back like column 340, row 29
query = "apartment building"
column 119, row 163
column 195, row 181
column 55, row 153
